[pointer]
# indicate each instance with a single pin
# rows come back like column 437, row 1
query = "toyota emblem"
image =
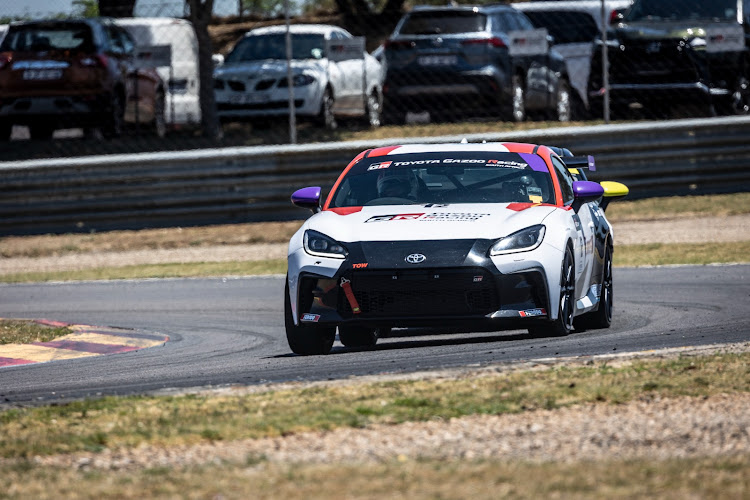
column 415, row 258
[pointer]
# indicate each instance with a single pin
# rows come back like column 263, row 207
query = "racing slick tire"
column 306, row 339
column 563, row 325
column 602, row 317
column 358, row 336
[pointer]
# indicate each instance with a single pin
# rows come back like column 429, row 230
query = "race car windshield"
column 466, row 177
column 653, row 10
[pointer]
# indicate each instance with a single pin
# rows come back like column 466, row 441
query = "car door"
column 350, row 96
column 123, row 67
column 583, row 241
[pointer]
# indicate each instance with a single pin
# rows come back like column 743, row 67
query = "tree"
column 199, row 13
column 116, row 8
column 85, row 8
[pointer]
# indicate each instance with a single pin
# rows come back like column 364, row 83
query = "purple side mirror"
column 587, row 190
column 308, row 197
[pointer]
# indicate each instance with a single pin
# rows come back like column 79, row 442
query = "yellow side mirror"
column 614, row 189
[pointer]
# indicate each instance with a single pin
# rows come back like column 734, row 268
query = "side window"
column 508, row 22
column 565, row 179
column 523, row 22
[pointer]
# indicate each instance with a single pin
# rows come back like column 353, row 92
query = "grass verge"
column 18, row 331
column 123, row 423
column 400, row 480
column 658, row 254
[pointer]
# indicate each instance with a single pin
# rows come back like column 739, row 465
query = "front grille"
column 421, row 293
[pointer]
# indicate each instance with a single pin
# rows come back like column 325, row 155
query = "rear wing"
column 586, row 162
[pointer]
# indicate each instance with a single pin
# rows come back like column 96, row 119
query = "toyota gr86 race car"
column 494, row 235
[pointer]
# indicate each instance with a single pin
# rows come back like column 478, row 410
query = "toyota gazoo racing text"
column 498, row 236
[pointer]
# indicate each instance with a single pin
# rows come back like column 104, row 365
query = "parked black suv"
column 678, row 57
column 467, row 60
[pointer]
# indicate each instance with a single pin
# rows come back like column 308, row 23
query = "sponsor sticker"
column 379, row 166
column 310, row 318
column 429, row 217
column 530, row 313
column 477, row 279
column 506, row 164
column 359, row 265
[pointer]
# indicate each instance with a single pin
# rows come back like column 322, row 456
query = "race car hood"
column 428, row 222
column 270, row 68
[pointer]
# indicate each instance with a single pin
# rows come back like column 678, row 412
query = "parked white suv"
column 333, row 76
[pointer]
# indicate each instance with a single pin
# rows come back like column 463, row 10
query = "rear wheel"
column 116, row 120
column 517, row 107
column 563, row 107
column 326, row 116
column 374, row 110
column 358, row 336
column 306, row 339
column 602, row 317
column 563, row 325
column 160, row 120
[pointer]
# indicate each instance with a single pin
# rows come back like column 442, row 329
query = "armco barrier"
column 707, row 155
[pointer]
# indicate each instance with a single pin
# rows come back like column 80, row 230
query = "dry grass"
column 26, row 332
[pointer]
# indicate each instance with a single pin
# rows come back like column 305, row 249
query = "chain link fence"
column 75, row 88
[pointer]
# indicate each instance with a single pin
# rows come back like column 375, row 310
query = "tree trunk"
column 116, row 8
column 200, row 15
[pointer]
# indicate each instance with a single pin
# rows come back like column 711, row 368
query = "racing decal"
column 347, row 286
column 359, row 265
column 530, row 313
column 521, row 206
column 477, row 279
column 310, row 318
column 379, row 166
column 345, row 210
column 536, row 162
column 436, row 205
column 506, row 164
column 425, row 217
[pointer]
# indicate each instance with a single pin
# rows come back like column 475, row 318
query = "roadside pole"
column 290, row 79
column 605, row 62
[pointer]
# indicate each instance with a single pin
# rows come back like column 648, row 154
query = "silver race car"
column 475, row 236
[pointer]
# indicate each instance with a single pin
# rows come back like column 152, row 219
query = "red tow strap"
column 346, row 285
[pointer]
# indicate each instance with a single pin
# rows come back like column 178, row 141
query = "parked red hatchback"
column 75, row 73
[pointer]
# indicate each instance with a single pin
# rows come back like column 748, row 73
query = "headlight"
column 520, row 241
column 300, row 80
column 323, row 246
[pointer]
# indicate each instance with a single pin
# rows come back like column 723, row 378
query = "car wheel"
column 306, row 339
column 326, row 117
column 602, row 317
column 517, row 100
column 160, row 120
column 41, row 132
column 563, row 108
column 374, row 110
column 738, row 102
column 563, row 325
column 116, row 119
column 358, row 336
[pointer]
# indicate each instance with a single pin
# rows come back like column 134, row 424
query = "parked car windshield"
column 39, row 38
column 261, row 47
column 455, row 177
column 566, row 26
column 443, row 23
column 650, row 10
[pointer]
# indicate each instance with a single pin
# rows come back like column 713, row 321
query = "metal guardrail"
column 228, row 185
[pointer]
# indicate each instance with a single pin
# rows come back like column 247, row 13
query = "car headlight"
column 322, row 246
column 520, row 241
column 300, row 80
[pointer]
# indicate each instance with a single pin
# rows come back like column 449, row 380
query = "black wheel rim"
column 567, row 289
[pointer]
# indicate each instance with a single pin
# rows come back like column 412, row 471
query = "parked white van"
column 183, row 102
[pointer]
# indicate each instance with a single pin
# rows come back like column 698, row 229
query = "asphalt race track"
column 230, row 331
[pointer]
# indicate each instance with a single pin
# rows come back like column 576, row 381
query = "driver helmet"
column 396, row 183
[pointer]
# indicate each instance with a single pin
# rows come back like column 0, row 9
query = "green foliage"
column 86, row 8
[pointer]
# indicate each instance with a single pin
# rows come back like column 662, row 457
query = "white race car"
column 494, row 235
column 332, row 76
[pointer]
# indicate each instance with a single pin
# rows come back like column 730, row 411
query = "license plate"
column 248, row 98
column 437, row 60
column 42, row 74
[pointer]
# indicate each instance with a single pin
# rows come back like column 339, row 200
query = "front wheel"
column 563, row 325
column 306, row 339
